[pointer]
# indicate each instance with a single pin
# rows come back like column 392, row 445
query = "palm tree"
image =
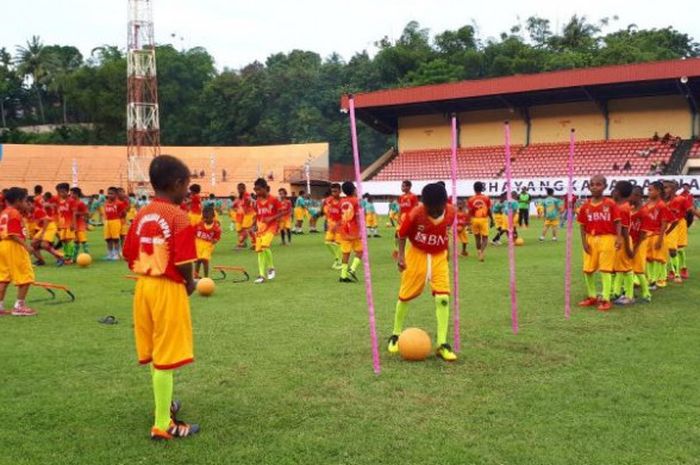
column 32, row 63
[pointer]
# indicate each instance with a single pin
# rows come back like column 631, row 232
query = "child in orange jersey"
column 678, row 206
column 268, row 211
column 160, row 249
column 425, row 259
column 601, row 237
column 207, row 234
column 623, row 282
column 245, row 217
column 15, row 263
column 657, row 251
column 81, row 214
column 195, row 204
column 463, row 221
column 286, row 220
column 480, row 211
column 638, row 233
column 45, row 220
column 350, row 234
column 407, row 201
column 331, row 209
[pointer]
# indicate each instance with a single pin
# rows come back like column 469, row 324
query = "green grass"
column 283, row 372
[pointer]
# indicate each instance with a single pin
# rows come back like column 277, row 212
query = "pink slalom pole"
column 455, row 239
column 511, row 245
column 569, row 227
column 363, row 232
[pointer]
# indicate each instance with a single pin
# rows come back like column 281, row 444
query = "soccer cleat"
column 177, row 429
column 445, row 353
column 60, row 262
column 465, row 254
column 661, row 283
column 23, row 311
column 684, row 273
column 337, row 265
column 271, row 274
column 652, row 287
column 645, row 300
column 678, row 279
column 554, row 239
column 671, row 276
column 345, row 280
column 39, row 263
column 588, row 302
column 259, row 280
column 5, row 312
column 604, row 306
column 353, row 275
column 393, row 346
column 541, row 238
column 624, row 301
column 175, row 407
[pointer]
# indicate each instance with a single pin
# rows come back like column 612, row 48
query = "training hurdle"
column 222, row 269
column 51, row 287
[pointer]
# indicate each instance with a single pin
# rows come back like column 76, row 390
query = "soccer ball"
column 414, row 344
column 520, row 241
column 205, row 287
column 83, row 260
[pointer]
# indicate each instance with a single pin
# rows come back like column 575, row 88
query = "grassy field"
column 283, row 372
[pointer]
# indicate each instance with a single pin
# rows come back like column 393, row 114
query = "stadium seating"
column 536, row 160
column 695, row 150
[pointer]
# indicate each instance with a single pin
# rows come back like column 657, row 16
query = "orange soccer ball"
column 520, row 241
column 414, row 344
column 83, row 260
column 205, row 287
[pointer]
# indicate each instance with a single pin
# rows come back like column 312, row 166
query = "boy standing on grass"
column 463, row 220
column 480, row 211
column 552, row 208
column 678, row 205
column 268, row 210
column 286, row 219
column 81, row 215
column 64, row 205
column 426, row 259
column 112, row 224
column 370, row 216
column 600, row 236
column 245, row 217
column 300, row 212
column 160, row 248
column 657, row 252
column 407, row 202
column 623, row 282
column 207, row 234
column 15, row 263
column 638, row 232
column 331, row 208
column 46, row 231
column 350, row 240
column 195, row 204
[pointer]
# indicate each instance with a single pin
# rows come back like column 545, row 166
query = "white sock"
column 19, row 304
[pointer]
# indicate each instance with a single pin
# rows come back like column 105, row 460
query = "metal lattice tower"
column 142, row 116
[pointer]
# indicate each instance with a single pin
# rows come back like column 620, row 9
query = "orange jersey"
column 331, row 207
column 350, row 218
column 113, row 210
column 625, row 214
column 286, row 207
column 2, row 202
column 196, row 204
column 407, row 202
column 426, row 233
column 65, row 212
column 51, row 207
column 599, row 218
column 244, row 205
column 463, row 219
column 11, row 223
column 479, row 206
column 267, row 209
column 637, row 220
column 81, row 219
column 210, row 233
column 678, row 207
column 658, row 212
column 159, row 239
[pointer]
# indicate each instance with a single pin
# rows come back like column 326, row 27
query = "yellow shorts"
column 371, row 220
column 248, row 221
column 124, row 229
column 112, row 229
column 162, row 323
column 623, row 263
column 31, row 228
column 682, row 233
column 639, row 262
column 331, row 233
column 66, row 234
column 286, row 223
column 350, row 245
column 49, row 235
column 204, row 249
column 602, row 257
column 81, row 236
column 671, row 239
column 15, row 264
column 463, row 236
column 551, row 223
column 656, row 255
column 500, row 221
column 422, row 267
column 194, row 218
column 263, row 240
column 299, row 213
column 480, row 226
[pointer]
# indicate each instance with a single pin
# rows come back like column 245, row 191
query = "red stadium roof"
column 621, row 81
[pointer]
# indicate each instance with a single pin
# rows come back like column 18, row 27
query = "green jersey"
column 300, row 203
column 552, row 208
column 368, row 207
column 524, row 201
column 511, row 206
column 498, row 207
column 394, row 206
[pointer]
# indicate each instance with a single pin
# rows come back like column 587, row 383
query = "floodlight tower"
column 142, row 116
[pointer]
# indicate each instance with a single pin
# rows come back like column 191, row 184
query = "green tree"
column 33, row 62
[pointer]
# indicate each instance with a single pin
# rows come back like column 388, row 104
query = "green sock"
column 163, row 393
column 261, row 263
column 68, row 250
column 628, row 281
column 344, row 271
column 590, row 284
column 268, row 259
column 644, row 285
column 399, row 316
column 606, row 278
column 355, row 264
column 661, row 272
column 85, row 247
column 617, row 284
column 442, row 312
column 681, row 259
column 333, row 249
column 675, row 262
column 635, row 280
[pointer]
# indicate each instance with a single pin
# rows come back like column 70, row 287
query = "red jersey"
column 113, row 210
column 81, row 209
column 38, row 201
column 210, row 233
column 11, row 223
column 657, row 212
column 426, row 233
column 2, row 202
column 678, row 207
column 407, row 202
column 625, row 214
column 286, row 207
column 243, row 206
column 123, row 206
column 195, row 204
column 39, row 216
column 349, row 218
column 638, row 219
column 599, row 218
column 463, row 219
column 479, row 206
column 160, row 239
column 267, row 209
column 332, row 209
column 51, row 207
column 65, row 212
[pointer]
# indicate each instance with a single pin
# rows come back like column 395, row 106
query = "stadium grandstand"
column 216, row 169
column 629, row 120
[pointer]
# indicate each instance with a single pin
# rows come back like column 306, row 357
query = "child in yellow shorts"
column 623, row 282
column 463, row 226
column 207, row 234
column 350, row 234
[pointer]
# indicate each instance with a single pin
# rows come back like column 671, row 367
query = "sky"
column 239, row 32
